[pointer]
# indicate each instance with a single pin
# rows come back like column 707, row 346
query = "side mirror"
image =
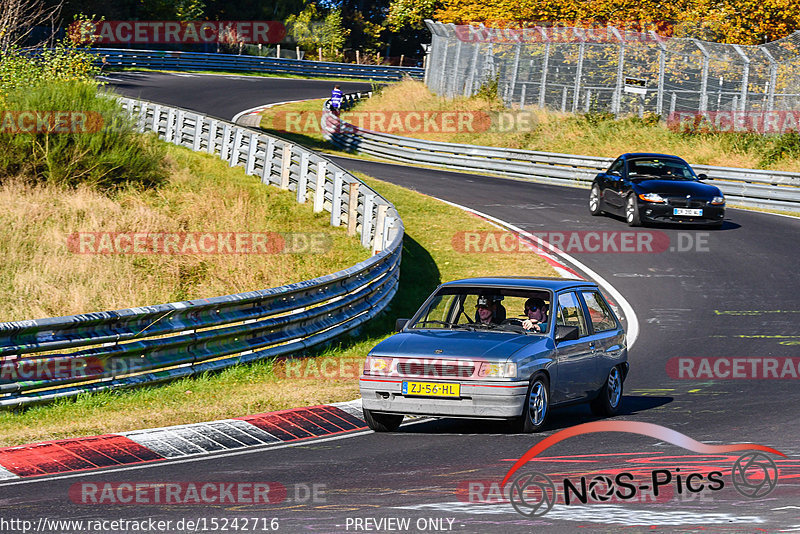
column 615, row 174
column 566, row 333
column 703, row 177
column 399, row 324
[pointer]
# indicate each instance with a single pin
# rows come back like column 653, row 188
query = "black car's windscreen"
column 457, row 308
column 662, row 169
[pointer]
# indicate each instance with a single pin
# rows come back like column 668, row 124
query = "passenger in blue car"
column 489, row 310
column 536, row 313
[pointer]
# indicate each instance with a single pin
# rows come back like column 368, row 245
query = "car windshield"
column 499, row 310
column 658, row 168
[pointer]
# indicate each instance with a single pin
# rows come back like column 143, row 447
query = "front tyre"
column 632, row 212
column 609, row 400
column 537, row 407
column 595, row 201
column 382, row 422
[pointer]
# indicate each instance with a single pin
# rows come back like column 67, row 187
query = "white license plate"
column 687, row 211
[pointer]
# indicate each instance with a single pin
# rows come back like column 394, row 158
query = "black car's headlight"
column 717, row 201
column 653, row 197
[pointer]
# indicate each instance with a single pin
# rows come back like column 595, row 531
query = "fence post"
column 522, row 95
column 286, row 165
column 588, row 100
column 380, row 229
column 662, row 71
column 514, row 73
column 616, row 101
column 269, row 153
column 469, row 87
column 704, row 76
column 451, row 91
column 564, row 99
column 319, row 186
column 578, row 74
column 336, row 200
column 352, row 210
column 545, row 66
column 302, row 181
column 673, row 100
column 773, row 79
column 745, row 77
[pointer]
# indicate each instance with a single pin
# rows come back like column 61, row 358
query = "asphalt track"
column 734, row 295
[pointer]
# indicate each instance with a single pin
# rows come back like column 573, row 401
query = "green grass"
column 428, row 259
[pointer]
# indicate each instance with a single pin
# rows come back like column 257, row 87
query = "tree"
column 313, row 29
column 19, row 17
column 410, row 14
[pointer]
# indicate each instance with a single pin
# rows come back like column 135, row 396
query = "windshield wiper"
column 445, row 323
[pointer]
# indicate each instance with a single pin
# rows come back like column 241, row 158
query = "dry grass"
column 428, row 259
column 41, row 277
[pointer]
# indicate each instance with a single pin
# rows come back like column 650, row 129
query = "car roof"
column 649, row 155
column 522, row 282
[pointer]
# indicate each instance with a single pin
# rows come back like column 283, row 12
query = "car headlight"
column 653, row 197
column 498, row 370
column 718, row 201
column 377, row 366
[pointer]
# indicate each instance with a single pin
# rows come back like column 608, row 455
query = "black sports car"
column 656, row 188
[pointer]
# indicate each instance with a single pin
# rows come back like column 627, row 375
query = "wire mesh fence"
column 607, row 69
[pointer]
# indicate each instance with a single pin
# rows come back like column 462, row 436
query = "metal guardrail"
column 45, row 359
column 745, row 187
column 172, row 60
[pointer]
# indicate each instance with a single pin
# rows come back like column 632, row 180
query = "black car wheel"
column 632, row 211
column 595, row 201
column 382, row 422
column 609, row 400
column 537, row 407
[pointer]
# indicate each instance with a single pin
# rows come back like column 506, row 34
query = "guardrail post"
column 226, row 142
column 212, row 136
column 269, row 153
column 380, row 229
column 156, row 118
column 366, row 223
column 252, row 146
column 237, row 146
column 198, row 132
column 319, row 186
column 286, row 165
column 302, row 181
column 143, row 117
column 180, row 119
column 352, row 210
column 336, row 200
column 169, row 130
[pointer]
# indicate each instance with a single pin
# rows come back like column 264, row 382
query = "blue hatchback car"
column 499, row 348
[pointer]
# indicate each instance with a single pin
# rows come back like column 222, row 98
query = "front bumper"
column 485, row 399
column 664, row 213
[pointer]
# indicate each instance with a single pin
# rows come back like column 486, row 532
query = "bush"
column 115, row 156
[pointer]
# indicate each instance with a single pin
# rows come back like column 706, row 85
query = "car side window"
column 616, row 167
column 570, row 313
column 599, row 314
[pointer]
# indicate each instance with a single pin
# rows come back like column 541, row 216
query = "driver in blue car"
column 536, row 313
column 488, row 310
